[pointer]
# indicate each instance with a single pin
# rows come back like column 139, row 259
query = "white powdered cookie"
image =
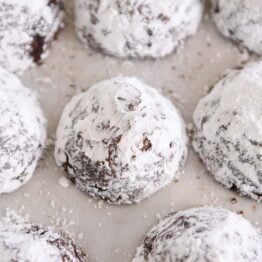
column 22, row 132
column 27, row 29
column 137, row 28
column 121, row 140
column 240, row 20
column 228, row 130
column 33, row 243
column 201, row 234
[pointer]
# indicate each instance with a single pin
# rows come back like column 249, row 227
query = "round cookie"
column 228, row 131
column 201, row 234
column 22, row 132
column 137, row 28
column 240, row 20
column 33, row 243
column 27, row 29
column 121, row 141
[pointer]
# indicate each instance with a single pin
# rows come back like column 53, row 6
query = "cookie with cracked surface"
column 33, row 243
column 227, row 133
column 241, row 21
column 136, row 28
column 22, row 132
column 121, row 141
column 201, row 234
column 27, row 29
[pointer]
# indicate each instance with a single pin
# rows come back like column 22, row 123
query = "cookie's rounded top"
column 228, row 130
column 202, row 234
column 35, row 6
column 122, row 136
column 137, row 28
column 32, row 243
column 240, row 20
column 22, row 132
column 27, row 29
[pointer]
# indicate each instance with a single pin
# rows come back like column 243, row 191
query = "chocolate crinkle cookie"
column 227, row 133
column 27, row 29
column 22, row 132
column 202, row 235
column 121, row 141
column 33, row 243
column 240, row 20
column 136, row 28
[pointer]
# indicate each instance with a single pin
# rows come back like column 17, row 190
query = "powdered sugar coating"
column 22, row 132
column 240, row 20
column 121, row 140
column 228, row 130
column 137, row 28
column 201, row 234
column 27, row 28
column 32, row 243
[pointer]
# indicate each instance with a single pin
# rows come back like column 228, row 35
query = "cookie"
column 227, row 133
column 136, row 28
column 33, row 243
column 240, row 20
column 201, row 234
column 27, row 29
column 121, row 141
column 22, row 132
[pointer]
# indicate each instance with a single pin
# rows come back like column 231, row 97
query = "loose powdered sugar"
column 240, row 20
column 228, row 130
column 121, row 140
column 201, row 234
column 137, row 28
column 64, row 182
column 22, row 132
column 27, row 29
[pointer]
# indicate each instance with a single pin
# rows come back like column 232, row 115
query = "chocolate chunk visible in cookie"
column 121, row 141
column 22, row 132
column 137, row 28
column 201, row 234
column 27, row 29
column 227, row 133
column 241, row 21
column 33, row 243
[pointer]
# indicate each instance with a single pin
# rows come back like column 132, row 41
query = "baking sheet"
column 112, row 233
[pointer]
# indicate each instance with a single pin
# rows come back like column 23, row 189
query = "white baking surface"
column 112, row 233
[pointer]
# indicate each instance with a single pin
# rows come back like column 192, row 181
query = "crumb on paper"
column 80, row 236
column 233, row 200
column 64, row 182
